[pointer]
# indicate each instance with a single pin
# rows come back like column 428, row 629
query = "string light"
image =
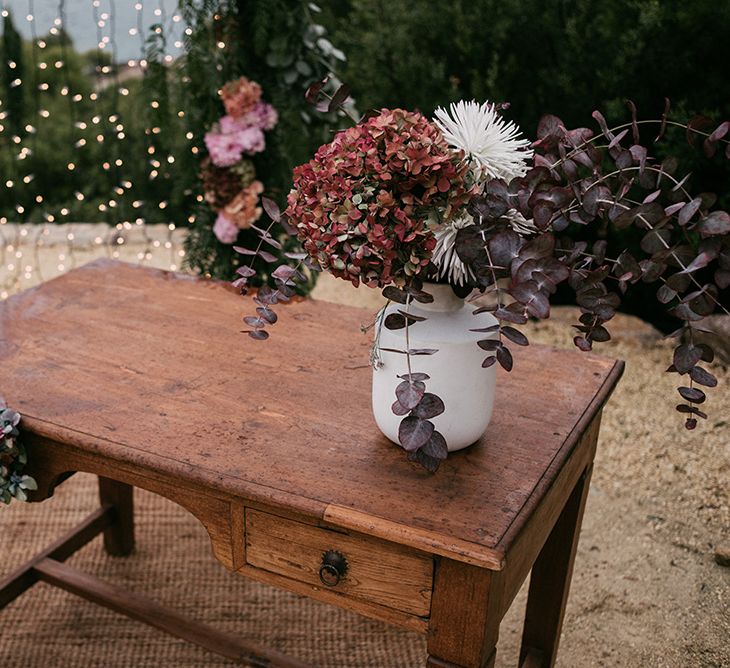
column 44, row 62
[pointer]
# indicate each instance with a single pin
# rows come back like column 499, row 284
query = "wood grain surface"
column 381, row 572
column 148, row 368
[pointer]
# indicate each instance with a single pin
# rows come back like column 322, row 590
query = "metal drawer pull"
column 333, row 568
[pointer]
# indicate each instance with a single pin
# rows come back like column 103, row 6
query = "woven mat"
column 173, row 564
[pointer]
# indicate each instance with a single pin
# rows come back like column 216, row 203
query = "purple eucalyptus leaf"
column 689, row 210
column 430, row 406
column 685, row 312
column 582, row 343
column 515, row 336
column 617, row 139
column 271, row 208
column 692, row 394
column 244, row 251
column 266, row 256
column 394, row 321
column 339, row 97
column 414, row 376
column 284, row 272
column 708, row 354
column 489, row 361
column 431, row 464
column 254, row 321
column 414, row 432
column 702, row 377
column 504, row 357
column 716, row 223
column 435, row 447
column 514, row 313
column 395, row 294
column 411, row 317
column 267, row 314
column 410, row 393
column 246, row 272
column 259, row 334
column 686, row 356
column 312, row 93
column 505, row 247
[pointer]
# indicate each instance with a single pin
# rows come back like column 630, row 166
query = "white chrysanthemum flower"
column 519, row 223
column 445, row 257
column 491, row 143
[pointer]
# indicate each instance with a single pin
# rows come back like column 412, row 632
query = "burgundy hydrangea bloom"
column 361, row 205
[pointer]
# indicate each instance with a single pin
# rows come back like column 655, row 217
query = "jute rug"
column 173, row 564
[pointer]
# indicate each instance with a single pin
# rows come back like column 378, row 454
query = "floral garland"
column 229, row 178
column 13, row 458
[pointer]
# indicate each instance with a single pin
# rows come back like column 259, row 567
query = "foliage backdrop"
column 561, row 57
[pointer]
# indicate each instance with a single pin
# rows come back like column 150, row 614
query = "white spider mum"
column 447, row 260
column 445, row 257
column 491, row 144
column 519, row 223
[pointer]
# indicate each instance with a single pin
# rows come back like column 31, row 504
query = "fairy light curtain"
column 82, row 135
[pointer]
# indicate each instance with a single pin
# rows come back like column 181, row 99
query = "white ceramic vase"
column 455, row 371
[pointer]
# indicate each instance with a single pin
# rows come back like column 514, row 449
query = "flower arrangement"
column 366, row 205
column 229, row 177
column 397, row 200
column 13, row 458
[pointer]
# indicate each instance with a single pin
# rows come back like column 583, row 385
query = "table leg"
column 465, row 618
column 119, row 537
column 550, row 582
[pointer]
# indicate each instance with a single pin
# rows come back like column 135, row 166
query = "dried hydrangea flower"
column 361, row 206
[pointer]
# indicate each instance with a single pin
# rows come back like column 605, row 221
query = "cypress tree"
column 11, row 69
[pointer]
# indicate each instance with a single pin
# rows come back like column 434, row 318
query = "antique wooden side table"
column 142, row 377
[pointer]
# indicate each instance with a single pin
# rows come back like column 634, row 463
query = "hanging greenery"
column 280, row 45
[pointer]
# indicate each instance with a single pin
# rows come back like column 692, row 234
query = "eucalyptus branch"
column 624, row 126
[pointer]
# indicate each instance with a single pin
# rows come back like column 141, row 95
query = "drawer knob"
column 333, row 568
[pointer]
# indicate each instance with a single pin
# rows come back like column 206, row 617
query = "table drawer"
column 376, row 571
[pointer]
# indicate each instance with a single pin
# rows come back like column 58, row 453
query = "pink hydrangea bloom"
column 263, row 116
column 225, row 149
column 230, row 125
column 251, row 140
column 225, row 230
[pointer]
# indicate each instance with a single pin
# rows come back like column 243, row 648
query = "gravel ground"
column 30, row 254
column 646, row 590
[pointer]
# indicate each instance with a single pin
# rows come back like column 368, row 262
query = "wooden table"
column 142, row 377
